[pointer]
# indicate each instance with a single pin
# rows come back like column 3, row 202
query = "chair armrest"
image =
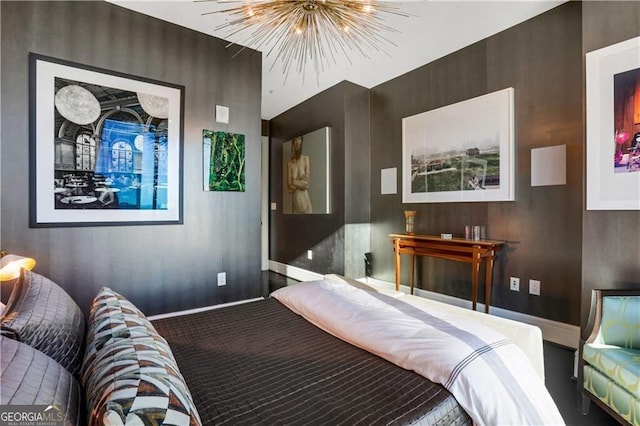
column 592, row 329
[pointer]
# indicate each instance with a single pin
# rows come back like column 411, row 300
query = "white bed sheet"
column 528, row 337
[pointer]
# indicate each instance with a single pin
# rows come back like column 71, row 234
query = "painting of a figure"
column 306, row 173
column 298, row 177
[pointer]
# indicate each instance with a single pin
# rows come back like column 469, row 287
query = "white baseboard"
column 196, row 310
column 553, row 331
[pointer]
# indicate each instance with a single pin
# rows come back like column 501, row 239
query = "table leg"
column 413, row 269
column 488, row 279
column 396, row 243
column 475, row 265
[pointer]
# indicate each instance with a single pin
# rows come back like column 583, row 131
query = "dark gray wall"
column 357, row 182
column 459, row 76
column 551, row 237
column 344, row 108
column 541, row 59
column 160, row 268
column 611, row 239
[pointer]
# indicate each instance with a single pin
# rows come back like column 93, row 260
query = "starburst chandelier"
column 315, row 31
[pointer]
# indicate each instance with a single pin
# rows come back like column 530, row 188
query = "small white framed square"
column 222, row 114
column 389, row 181
column 549, row 166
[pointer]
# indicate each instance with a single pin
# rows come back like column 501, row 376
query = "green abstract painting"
column 224, row 161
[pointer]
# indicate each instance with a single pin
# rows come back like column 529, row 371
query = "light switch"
column 222, row 279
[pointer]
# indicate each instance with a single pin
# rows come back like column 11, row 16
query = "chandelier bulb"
column 310, row 6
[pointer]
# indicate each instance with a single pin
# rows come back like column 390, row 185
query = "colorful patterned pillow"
column 42, row 315
column 112, row 316
column 129, row 373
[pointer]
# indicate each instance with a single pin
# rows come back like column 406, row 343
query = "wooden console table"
column 458, row 249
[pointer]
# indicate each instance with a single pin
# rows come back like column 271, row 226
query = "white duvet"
column 490, row 377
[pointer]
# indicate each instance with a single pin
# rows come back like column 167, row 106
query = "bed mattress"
column 259, row 363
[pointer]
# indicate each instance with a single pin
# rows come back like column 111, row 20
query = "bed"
column 271, row 362
column 327, row 352
column 260, row 363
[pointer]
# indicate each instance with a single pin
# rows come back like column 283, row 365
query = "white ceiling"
column 435, row 29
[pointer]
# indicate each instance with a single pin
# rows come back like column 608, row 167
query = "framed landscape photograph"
column 105, row 147
column 462, row 152
column 613, row 127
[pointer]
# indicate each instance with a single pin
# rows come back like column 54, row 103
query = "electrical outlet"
column 534, row 287
column 222, row 279
column 309, row 254
column 514, row 284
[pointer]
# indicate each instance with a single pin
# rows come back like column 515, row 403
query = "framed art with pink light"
column 613, row 127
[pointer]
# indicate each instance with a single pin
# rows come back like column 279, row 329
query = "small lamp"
column 10, row 265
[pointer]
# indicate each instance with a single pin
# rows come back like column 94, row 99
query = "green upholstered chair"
column 611, row 355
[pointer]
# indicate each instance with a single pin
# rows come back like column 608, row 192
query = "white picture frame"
column 462, row 152
column 152, row 190
column 613, row 181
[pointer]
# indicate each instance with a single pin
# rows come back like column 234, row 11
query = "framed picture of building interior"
column 106, row 147
column 462, row 152
column 306, row 173
column 613, row 127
